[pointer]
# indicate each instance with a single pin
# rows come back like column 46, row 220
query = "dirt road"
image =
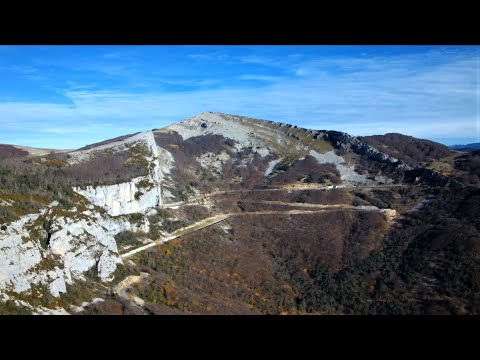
column 193, row 200
column 221, row 217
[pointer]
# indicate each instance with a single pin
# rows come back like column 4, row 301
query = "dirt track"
column 300, row 187
column 221, row 217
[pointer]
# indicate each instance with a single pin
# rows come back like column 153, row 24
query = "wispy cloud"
column 113, row 55
column 27, row 71
column 211, row 56
column 429, row 95
column 256, row 59
column 259, row 77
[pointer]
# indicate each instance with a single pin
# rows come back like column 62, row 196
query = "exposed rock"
column 271, row 166
column 347, row 173
column 107, row 265
column 219, row 124
column 213, row 161
column 82, row 238
column 344, row 141
column 133, row 197
column 77, row 243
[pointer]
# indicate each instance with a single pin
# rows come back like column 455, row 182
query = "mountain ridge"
column 466, row 147
column 69, row 217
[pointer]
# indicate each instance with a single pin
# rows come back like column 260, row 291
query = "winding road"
column 193, row 200
column 320, row 208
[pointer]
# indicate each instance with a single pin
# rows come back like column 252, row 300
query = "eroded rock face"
column 342, row 140
column 78, row 241
column 76, row 244
column 18, row 256
column 139, row 194
column 347, row 173
column 124, row 198
column 107, row 265
column 220, row 124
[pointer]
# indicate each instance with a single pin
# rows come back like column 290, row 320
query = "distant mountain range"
column 466, row 147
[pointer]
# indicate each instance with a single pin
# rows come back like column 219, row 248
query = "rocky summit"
column 224, row 214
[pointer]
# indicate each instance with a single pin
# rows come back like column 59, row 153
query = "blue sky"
column 69, row 96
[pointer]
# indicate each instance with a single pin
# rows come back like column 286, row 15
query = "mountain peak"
column 67, row 216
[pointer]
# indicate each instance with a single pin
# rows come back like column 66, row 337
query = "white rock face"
column 213, row 161
column 17, row 256
column 80, row 243
column 77, row 244
column 217, row 125
column 107, row 265
column 45, row 311
column 130, row 197
column 5, row 202
column 58, row 285
column 271, row 165
column 347, row 173
column 119, row 199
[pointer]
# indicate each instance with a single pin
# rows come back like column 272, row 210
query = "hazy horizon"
column 66, row 97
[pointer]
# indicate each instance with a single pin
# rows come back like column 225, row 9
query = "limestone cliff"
column 139, row 194
column 57, row 246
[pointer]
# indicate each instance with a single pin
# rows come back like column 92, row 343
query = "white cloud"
column 427, row 95
column 211, row 56
column 113, row 55
column 259, row 77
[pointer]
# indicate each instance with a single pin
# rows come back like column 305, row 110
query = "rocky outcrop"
column 341, row 140
column 107, row 265
column 57, row 246
column 347, row 173
column 139, row 194
column 125, row 198
column 77, row 243
column 229, row 126
column 17, row 256
column 429, row 177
